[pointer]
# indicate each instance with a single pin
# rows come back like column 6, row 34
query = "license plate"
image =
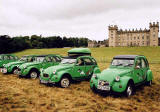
column 104, row 87
column 43, row 81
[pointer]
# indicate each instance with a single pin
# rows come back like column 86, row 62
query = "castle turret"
column 154, row 30
column 113, row 35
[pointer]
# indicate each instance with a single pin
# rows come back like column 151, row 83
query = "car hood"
column 29, row 64
column 14, row 63
column 110, row 74
column 58, row 68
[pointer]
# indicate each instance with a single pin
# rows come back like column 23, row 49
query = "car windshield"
column 123, row 62
column 0, row 57
column 39, row 59
column 68, row 61
column 24, row 58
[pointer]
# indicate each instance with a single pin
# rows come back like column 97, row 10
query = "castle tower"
column 154, row 31
column 112, row 35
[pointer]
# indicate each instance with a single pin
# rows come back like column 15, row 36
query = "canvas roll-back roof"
column 79, row 51
column 125, row 56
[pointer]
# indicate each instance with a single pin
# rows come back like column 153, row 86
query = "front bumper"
column 46, row 81
column 3, row 70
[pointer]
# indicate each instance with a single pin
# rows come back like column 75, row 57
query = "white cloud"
column 80, row 18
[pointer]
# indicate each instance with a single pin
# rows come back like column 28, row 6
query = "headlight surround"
column 54, row 72
column 117, row 78
column 94, row 76
column 24, row 66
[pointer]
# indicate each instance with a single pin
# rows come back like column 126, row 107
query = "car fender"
column 96, row 70
column 122, row 84
column 28, row 69
column 149, row 75
column 59, row 75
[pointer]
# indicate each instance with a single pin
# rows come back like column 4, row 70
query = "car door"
column 144, row 68
column 79, row 69
column 89, row 66
column 138, row 71
column 47, row 62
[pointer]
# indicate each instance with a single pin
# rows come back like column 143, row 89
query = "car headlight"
column 24, row 67
column 4, row 64
column 117, row 78
column 54, row 72
column 94, row 76
column 41, row 69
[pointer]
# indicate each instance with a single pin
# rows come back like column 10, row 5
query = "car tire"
column 14, row 71
column 94, row 90
column 149, row 83
column 64, row 82
column 33, row 74
column 129, row 90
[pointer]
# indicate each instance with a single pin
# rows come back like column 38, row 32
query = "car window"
column 6, row 57
column 88, row 61
column 11, row 57
column 94, row 61
column 138, row 63
column 48, row 59
column 144, row 65
column 80, row 62
column 58, row 59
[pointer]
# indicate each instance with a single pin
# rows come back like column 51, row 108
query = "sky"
column 75, row 18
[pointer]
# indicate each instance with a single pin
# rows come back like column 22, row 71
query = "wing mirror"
column 137, row 67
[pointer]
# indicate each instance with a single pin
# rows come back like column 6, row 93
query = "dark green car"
column 79, row 65
column 32, row 69
column 12, row 67
column 6, row 58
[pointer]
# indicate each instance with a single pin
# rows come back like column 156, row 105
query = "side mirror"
column 137, row 67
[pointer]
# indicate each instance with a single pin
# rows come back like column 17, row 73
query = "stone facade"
column 134, row 37
column 98, row 44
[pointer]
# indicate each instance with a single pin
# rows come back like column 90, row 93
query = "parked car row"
column 124, row 74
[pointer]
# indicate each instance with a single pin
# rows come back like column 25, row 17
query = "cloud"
column 80, row 18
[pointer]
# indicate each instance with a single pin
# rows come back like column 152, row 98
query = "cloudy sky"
column 75, row 18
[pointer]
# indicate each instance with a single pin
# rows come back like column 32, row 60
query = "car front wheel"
column 15, row 71
column 65, row 82
column 149, row 83
column 129, row 90
column 33, row 75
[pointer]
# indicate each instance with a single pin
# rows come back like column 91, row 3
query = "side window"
column 57, row 59
column 11, row 57
column 88, row 61
column 94, row 61
column 6, row 57
column 48, row 59
column 138, row 63
column 144, row 64
column 80, row 62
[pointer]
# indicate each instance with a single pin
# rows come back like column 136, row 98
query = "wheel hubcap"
column 129, row 91
column 65, row 82
column 33, row 75
column 15, row 71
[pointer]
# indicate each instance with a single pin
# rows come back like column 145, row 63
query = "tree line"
column 13, row 44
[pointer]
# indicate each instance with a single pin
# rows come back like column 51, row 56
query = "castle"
column 134, row 37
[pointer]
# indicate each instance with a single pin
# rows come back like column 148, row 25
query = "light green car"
column 79, row 65
column 32, row 69
column 12, row 67
column 124, row 74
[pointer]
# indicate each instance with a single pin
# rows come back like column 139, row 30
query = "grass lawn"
column 25, row 95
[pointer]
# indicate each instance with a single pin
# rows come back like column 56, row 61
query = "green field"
column 25, row 95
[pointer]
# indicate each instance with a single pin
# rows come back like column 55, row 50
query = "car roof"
column 80, row 51
column 126, row 56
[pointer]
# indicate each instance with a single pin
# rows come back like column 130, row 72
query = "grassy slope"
column 27, row 95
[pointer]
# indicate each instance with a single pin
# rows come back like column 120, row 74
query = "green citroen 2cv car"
column 124, row 73
column 6, row 58
column 79, row 65
column 32, row 69
column 12, row 67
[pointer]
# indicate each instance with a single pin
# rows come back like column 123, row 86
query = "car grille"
column 103, row 83
column 45, row 75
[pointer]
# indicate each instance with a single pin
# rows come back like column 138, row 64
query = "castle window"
column 134, row 38
column 142, row 37
column 147, row 37
column 154, row 35
column 138, row 37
